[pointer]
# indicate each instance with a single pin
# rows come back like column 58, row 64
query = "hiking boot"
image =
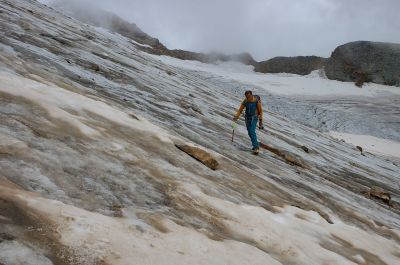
column 256, row 151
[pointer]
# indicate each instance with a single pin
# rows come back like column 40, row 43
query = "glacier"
column 90, row 172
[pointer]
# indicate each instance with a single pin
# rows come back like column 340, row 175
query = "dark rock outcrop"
column 365, row 61
column 301, row 65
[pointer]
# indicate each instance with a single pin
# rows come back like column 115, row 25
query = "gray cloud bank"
column 265, row 28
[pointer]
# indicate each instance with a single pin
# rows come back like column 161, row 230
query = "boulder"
column 199, row 154
column 365, row 61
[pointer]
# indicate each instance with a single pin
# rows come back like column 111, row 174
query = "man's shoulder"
column 256, row 98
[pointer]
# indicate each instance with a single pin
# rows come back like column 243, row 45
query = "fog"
column 264, row 28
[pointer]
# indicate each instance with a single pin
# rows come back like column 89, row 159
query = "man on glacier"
column 252, row 104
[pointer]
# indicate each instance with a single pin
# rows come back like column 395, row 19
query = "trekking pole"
column 233, row 130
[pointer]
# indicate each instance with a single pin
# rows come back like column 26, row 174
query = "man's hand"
column 260, row 125
column 235, row 118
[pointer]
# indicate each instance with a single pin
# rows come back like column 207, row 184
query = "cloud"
column 265, row 28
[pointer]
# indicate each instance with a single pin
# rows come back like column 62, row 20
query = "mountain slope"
column 90, row 172
column 100, row 18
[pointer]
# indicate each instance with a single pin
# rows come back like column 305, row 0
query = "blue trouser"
column 251, row 125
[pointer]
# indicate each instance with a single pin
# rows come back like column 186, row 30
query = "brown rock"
column 271, row 149
column 200, row 155
column 95, row 67
column 379, row 193
column 290, row 158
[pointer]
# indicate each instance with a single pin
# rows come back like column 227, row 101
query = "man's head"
column 248, row 94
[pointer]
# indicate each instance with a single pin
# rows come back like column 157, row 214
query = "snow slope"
column 90, row 174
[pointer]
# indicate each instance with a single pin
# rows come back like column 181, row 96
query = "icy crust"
column 59, row 103
column 288, row 235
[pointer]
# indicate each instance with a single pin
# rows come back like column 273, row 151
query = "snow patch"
column 96, row 237
column 140, row 44
column 370, row 143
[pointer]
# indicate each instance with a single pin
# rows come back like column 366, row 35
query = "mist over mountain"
column 265, row 29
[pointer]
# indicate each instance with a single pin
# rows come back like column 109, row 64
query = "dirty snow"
column 303, row 236
column 95, row 237
column 300, row 235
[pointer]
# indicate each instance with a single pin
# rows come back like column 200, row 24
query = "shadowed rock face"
column 365, row 61
column 301, row 65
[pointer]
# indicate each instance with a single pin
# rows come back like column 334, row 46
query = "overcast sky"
column 265, row 28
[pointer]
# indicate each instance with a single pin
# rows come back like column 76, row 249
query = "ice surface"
column 87, row 123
